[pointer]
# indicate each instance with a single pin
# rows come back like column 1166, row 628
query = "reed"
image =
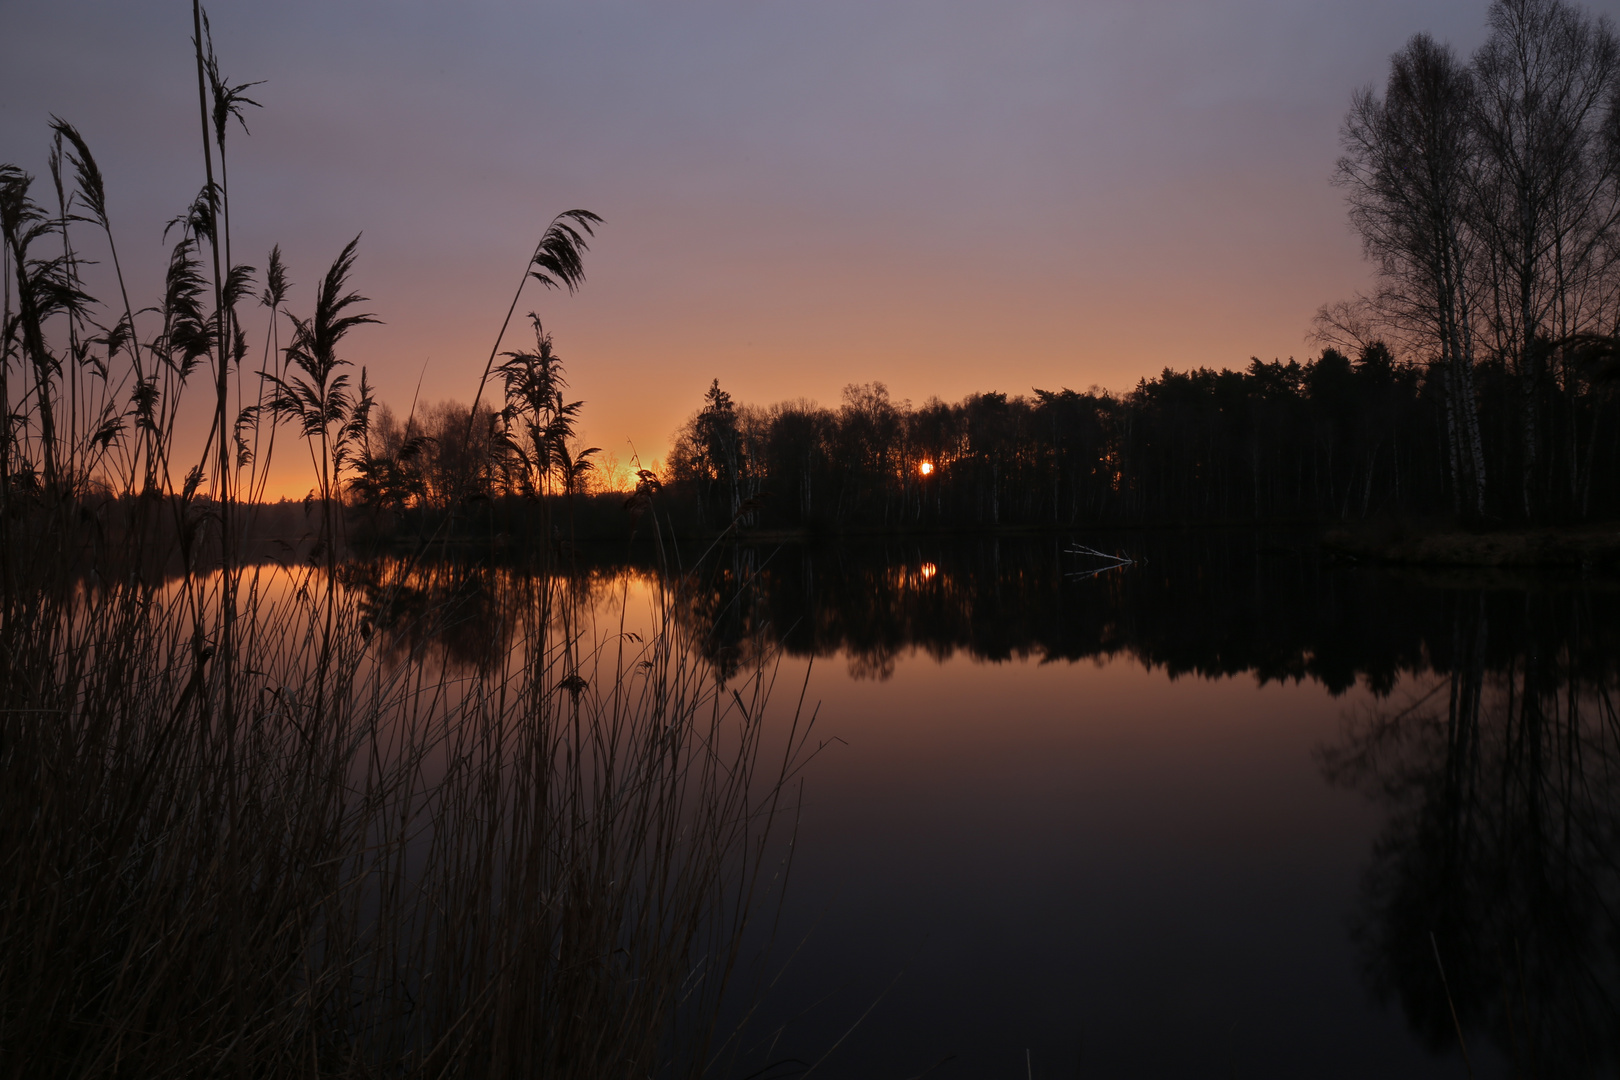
column 253, row 820
column 542, row 865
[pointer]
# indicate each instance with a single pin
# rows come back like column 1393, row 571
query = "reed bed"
column 542, row 866
column 254, row 820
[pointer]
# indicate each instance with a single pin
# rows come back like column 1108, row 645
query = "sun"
column 926, row 467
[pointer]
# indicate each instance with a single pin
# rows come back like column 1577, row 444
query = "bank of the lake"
column 1585, row 547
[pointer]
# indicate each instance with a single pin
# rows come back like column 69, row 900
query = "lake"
column 1226, row 810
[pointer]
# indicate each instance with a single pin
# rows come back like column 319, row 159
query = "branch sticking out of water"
column 1111, row 562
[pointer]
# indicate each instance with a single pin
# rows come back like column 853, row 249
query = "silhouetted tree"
column 1488, row 197
column 1406, row 170
column 1547, row 203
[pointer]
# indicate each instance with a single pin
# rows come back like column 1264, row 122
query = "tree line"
column 1336, row 437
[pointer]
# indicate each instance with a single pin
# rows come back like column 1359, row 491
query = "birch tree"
column 1407, row 172
column 1545, row 201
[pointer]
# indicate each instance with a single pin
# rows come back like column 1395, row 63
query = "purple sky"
column 944, row 196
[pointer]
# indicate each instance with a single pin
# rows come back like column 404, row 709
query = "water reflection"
column 1480, row 723
column 464, row 611
column 1209, row 604
column 1486, row 734
column 455, row 608
column 1492, row 903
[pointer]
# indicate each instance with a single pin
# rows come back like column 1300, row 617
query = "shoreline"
column 1583, row 547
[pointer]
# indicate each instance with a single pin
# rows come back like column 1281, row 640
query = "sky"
column 946, row 196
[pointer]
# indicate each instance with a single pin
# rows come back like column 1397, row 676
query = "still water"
column 1230, row 810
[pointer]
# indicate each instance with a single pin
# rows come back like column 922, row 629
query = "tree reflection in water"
column 1501, row 781
column 1215, row 604
column 466, row 611
column 1502, row 785
column 1493, row 744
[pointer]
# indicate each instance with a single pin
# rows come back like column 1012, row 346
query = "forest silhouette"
column 1335, row 438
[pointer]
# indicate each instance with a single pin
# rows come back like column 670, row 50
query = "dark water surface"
column 1197, row 816
column 1228, row 811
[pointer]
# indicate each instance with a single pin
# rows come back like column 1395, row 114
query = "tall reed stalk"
column 250, row 827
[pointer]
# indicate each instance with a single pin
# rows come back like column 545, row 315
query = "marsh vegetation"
column 253, row 823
